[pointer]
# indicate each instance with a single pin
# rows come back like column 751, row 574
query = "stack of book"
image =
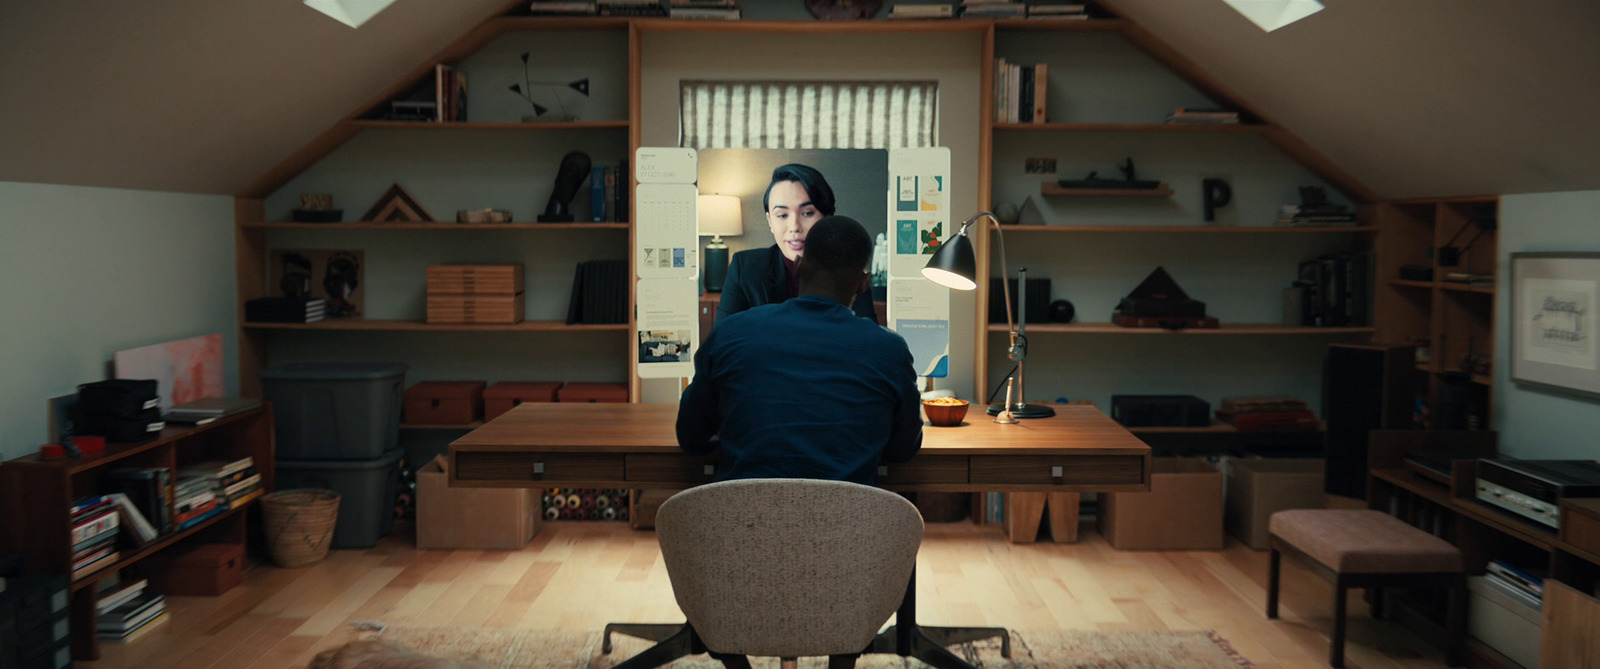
column 1469, row 278
column 449, row 94
column 150, row 491
column 607, row 202
column 631, row 7
column 231, row 484
column 1202, row 116
column 1334, row 290
column 922, row 11
column 1521, row 584
column 1049, row 10
column 134, row 523
column 726, row 10
column 1267, row 413
column 129, row 611
column 95, row 523
column 563, row 8
column 285, row 310
column 1020, row 92
column 599, row 293
column 993, row 9
column 1316, row 215
column 195, row 501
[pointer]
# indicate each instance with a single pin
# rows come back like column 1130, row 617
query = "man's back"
column 802, row 389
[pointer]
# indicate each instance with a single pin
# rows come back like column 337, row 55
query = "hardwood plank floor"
column 580, row 576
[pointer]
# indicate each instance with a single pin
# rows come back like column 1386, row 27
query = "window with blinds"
column 808, row 114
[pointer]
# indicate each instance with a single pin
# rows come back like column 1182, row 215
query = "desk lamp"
column 719, row 215
column 955, row 266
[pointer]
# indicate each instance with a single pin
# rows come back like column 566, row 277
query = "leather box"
column 475, row 279
column 500, row 397
column 593, row 392
column 475, row 309
column 472, row 518
column 207, row 570
column 444, row 402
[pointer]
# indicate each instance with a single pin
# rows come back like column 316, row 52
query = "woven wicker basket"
column 299, row 525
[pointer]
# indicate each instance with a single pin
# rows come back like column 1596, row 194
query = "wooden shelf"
column 1053, row 189
column 472, row 125
column 405, row 325
column 431, row 426
column 1200, row 128
column 86, row 579
column 1216, row 427
column 1416, row 484
column 1410, row 284
column 1466, row 287
column 1225, row 329
column 776, row 27
column 371, row 225
column 1192, row 229
column 559, row 23
column 119, row 451
column 1059, row 25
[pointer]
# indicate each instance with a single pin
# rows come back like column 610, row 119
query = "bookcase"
column 1446, row 309
column 36, row 498
column 1110, row 88
column 494, row 159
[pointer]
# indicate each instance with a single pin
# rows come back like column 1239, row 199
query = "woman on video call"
column 796, row 198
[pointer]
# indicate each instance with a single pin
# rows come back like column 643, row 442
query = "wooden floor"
column 583, row 575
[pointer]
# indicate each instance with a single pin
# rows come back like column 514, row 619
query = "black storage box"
column 142, row 426
column 1038, row 301
column 1160, row 410
column 118, row 398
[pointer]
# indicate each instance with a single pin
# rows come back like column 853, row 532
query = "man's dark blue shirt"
column 802, row 389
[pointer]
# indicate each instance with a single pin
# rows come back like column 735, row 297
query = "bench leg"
column 1336, row 644
column 1456, row 635
column 1272, row 584
column 1375, row 601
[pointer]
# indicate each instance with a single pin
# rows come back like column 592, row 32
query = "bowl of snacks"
column 945, row 411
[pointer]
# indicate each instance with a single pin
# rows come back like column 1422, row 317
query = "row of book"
column 1316, row 215
column 608, row 202
column 1334, row 290
column 129, row 610
column 1525, row 586
column 1267, row 413
column 1199, row 116
column 600, row 292
column 212, row 488
column 285, row 310
column 1020, row 92
column 95, row 526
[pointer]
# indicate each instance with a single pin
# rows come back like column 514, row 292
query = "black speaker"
column 1365, row 388
column 1038, row 301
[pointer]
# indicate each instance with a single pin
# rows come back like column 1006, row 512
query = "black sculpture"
column 574, row 169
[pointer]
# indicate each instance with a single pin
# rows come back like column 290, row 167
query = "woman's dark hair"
column 810, row 179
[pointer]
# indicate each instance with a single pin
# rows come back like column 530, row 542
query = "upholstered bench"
column 1368, row 549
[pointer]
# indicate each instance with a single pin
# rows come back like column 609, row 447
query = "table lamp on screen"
column 719, row 215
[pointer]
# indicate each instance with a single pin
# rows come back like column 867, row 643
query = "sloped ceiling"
column 198, row 96
column 1413, row 98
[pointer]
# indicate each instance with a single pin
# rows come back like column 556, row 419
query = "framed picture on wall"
column 1554, row 302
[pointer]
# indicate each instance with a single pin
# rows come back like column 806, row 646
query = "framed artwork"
column 1553, row 319
column 185, row 370
column 334, row 275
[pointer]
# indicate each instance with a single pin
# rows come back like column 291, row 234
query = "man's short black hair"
column 838, row 246
column 809, row 178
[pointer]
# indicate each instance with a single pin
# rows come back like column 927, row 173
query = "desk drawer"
column 674, row 470
column 493, row 466
column 1062, row 470
column 925, row 470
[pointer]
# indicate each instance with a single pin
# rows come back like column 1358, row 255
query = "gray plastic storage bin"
column 335, row 411
column 366, row 493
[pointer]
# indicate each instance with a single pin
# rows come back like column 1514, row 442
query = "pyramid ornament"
column 1271, row 15
column 397, row 206
column 352, row 13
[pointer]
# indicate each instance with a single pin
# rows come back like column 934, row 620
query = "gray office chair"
column 780, row 567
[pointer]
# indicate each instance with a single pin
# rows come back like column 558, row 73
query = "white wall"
column 86, row 272
column 1538, row 424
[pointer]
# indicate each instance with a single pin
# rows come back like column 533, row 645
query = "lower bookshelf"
column 36, row 499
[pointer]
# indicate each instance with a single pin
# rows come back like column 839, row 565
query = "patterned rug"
column 501, row 648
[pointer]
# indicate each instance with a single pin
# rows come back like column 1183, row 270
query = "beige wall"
column 951, row 59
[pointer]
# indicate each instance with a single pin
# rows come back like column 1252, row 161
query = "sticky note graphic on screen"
column 929, row 341
column 905, row 236
column 932, row 236
column 932, row 189
column 906, row 193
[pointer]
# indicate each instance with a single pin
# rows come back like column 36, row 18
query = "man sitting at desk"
column 804, row 388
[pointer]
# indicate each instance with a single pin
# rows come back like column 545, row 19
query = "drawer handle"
column 883, row 470
column 711, row 470
column 1055, row 472
column 538, row 467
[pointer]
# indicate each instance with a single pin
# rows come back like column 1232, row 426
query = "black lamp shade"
column 954, row 265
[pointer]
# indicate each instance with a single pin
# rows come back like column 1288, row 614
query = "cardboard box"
column 472, row 518
column 1259, row 486
column 444, row 402
column 207, row 570
column 642, row 507
column 500, row 397
column 1182, row 511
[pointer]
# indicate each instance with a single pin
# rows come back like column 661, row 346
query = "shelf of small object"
column 482, row 125
column 436, row 225
column 1223, row 329
column 1226, row 229
column 394, row 324
column 1053, row 188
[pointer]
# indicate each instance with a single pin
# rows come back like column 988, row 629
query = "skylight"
column 352, row 13
column 1271, row 15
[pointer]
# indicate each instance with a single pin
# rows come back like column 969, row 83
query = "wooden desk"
column 636, row 446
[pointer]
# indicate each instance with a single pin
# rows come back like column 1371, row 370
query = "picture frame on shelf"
column 1554, row 301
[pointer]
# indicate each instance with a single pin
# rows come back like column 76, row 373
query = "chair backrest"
column 788, row 567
